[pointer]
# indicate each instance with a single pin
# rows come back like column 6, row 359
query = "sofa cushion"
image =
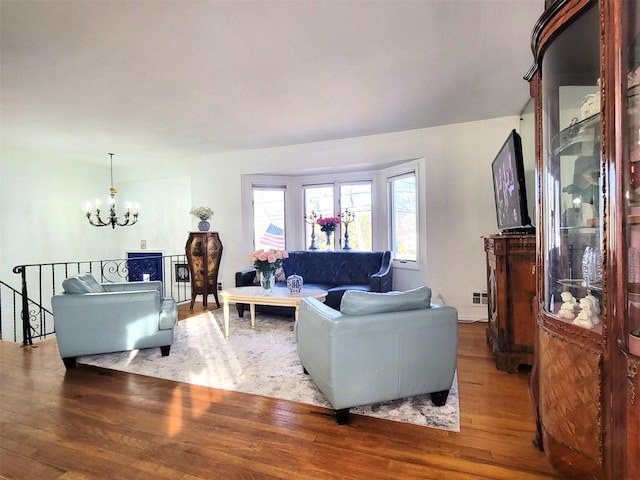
column 356, row 302
column 81, row 283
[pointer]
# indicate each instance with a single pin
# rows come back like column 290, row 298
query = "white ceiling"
column 172, row 79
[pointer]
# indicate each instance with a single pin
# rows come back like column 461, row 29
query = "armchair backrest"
column 83, row 283
column 357, row 302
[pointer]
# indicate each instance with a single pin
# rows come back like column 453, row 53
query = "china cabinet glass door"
column 631, row 157
column 572, row 176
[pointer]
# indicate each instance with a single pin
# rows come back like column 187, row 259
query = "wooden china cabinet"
column 204, row 251
column 584, row 384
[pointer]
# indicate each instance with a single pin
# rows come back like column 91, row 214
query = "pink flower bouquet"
column 267, row 261
column 328, row 224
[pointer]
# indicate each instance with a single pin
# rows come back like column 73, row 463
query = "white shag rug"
column 261, row 361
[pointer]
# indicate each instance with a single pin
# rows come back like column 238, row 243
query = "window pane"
column 318, row 200
column 355, row 203
column 268, row 218
column 404, row 224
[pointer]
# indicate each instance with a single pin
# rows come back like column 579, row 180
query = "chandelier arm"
column 100, row 223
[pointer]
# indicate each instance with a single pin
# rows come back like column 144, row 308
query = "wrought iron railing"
column 25, row 312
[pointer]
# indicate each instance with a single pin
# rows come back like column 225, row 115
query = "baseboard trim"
column 472, row 319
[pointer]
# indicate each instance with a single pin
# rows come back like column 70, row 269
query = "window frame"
column 341, row 209
column 413, row 167
column 267, row 187
column 391, row 217
column 337, row 207
column 377, row 175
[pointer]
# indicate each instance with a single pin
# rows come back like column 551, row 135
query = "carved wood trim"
column 632, row 380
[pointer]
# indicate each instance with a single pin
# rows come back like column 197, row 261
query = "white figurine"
column 567, row 310
column 595, row 308
column 585, row 317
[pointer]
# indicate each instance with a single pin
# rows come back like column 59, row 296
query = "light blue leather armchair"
column 92, row 317
column 379, row 347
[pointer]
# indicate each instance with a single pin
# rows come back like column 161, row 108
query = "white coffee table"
column 253, row 295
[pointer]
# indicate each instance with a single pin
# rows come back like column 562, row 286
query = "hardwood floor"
column 90, row 423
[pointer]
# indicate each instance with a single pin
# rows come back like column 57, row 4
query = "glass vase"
column 267, row 280
column 329, row 244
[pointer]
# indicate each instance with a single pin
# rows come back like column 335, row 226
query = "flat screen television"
column 509, row 187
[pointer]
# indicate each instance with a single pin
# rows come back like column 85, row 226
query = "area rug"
column 261, row 361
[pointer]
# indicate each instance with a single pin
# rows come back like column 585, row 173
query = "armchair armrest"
column 382, row 280
column 246, row 277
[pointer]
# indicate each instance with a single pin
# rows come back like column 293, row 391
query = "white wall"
column 41, row 211
column 42, row 219
column 164, row 219
column 458, row 199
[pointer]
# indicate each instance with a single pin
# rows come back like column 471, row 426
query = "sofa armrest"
column 382, row 280
column 246, row 277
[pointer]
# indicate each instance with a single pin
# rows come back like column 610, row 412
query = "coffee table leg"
column 252, row 309
column 295, row 315
column 226, row 319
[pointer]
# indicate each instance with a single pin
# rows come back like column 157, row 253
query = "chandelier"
column 130, row 209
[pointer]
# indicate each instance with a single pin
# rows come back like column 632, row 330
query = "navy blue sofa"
column 333, row 271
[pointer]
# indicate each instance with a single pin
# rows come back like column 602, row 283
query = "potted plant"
column 204, row 214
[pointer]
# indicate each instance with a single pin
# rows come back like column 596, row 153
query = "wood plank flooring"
column 89, row 423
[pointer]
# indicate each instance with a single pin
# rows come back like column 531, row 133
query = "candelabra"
column 311, row 219
column 347, row 218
